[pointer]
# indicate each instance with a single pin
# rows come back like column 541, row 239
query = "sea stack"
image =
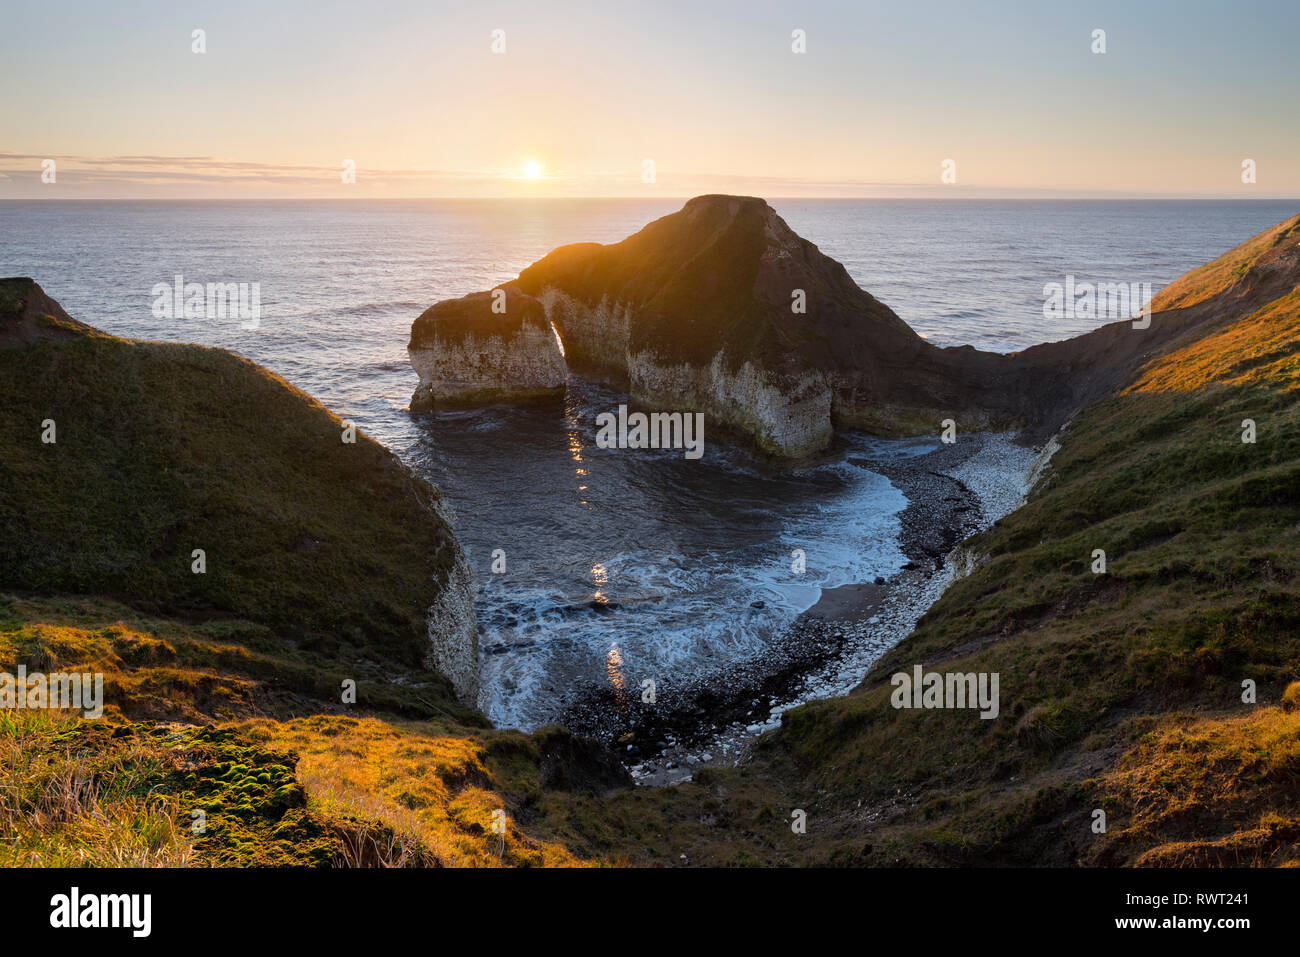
column 486, row 347
column 719, row 308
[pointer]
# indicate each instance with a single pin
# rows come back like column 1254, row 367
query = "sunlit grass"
column 431, row 785
column 1262, row 349
column 57, row 811
column 1220, row 274
column 1210, row 791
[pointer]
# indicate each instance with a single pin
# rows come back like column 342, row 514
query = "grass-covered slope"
column 224, row 691
column 219, row 718
column 163, row 449
column 1120, row 691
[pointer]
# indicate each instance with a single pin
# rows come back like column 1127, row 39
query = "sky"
column 664, row 98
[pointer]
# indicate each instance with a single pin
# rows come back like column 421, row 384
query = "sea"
column 600, row 566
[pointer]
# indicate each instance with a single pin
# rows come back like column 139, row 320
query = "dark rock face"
column 28, row 316
column 487, row 347
column 722, row 308
column 582, row 765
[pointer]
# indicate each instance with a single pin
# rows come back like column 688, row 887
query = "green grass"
column 161, row 669
column 163, row 449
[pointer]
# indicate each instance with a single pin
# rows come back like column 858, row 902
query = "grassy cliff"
column 159, row 450
column 224, row 689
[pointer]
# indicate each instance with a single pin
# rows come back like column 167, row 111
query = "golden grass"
column 1209, row 791
column 56, row 812
column 383, row 792
column 429, row 787
column 1291, row 697
column 143, row 674
column 1262, row 348
column 1220, row 274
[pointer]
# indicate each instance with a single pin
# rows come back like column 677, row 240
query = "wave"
column 373, row 309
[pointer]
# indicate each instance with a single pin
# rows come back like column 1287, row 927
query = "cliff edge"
column 188, row 481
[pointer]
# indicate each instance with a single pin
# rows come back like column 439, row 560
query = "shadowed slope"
column 163, row 449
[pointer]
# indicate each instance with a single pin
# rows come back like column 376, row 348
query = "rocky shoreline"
column 952, row 492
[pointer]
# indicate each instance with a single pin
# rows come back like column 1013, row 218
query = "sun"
column 532, row 170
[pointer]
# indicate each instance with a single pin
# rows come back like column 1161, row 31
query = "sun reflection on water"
column 614, row 668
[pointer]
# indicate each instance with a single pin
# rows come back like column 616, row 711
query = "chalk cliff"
column 720, row 308
column 486, row 347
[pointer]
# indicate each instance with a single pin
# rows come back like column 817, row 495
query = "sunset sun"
column 532, row 170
